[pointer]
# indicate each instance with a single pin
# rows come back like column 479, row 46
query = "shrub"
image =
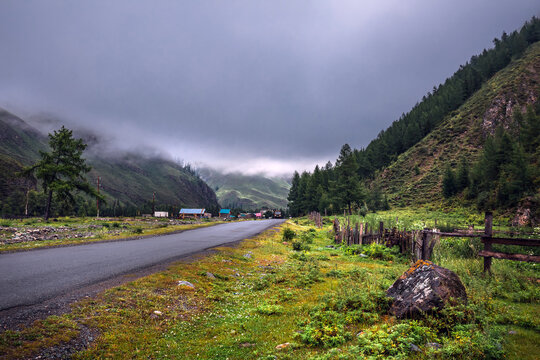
column 394, row 341
column 138, row 230
column 379, row 251
column 299, row 246
column 323, row 328
column 106, row 225
column 268, row 309
column 288, row 234
column 115, row 225
column 5, row 223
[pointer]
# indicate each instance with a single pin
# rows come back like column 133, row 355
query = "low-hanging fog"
column 251, row 86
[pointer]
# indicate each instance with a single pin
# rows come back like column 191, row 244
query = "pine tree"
column 293, row 196
column 62, row 170
column 462, row 179
column 348, row 188
column 449, row 183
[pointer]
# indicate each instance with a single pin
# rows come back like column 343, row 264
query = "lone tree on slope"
column 62, row 170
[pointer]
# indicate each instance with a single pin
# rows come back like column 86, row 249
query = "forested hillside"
column 404, row 165
column 127, row 180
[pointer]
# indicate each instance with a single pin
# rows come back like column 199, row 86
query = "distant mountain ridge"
column 128, row 180
column 250, row 192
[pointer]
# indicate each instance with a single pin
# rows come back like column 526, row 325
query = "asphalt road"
column 28, row 278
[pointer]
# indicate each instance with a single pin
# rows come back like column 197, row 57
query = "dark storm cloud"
column 277, row 84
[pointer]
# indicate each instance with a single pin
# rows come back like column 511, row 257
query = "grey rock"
column 424, row 288
column 186, row 283
column 414, row 348
column 434, row 345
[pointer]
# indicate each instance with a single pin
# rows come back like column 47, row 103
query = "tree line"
column 507, row 169
column 334, row 188
column 443, row 99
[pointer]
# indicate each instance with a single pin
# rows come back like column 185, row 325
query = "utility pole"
column 97, row 200
column 153, row 203
column 26, row 205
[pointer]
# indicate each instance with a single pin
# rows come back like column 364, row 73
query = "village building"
column 224, row 213
column 194, row 213
column 161, row 214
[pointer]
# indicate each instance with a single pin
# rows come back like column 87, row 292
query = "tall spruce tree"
column 348, row 188
column 62, row 170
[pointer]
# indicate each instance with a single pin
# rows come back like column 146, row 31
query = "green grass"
column 326, row 303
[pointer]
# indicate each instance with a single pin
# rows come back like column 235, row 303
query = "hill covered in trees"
column 127, row 180
column 405, row 164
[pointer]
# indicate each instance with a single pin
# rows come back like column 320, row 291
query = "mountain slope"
column 415, row 176
column 253, row 192
column 128, row 180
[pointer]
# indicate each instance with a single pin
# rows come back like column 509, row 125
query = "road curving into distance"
column 30, row 277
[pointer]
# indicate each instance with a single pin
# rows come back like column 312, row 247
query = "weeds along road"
column 27, row 278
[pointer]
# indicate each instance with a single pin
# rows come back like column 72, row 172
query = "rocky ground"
column 36, row 230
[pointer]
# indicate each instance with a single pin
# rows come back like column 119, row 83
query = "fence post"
column 487, row 239
column 424, row 243
column 381, row 232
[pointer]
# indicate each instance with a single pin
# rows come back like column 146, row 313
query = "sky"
column 252, row 86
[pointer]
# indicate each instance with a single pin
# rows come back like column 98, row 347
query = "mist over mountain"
column 132, row 181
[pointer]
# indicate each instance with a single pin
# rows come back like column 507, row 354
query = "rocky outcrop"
column 424, row 288
column 527, row 213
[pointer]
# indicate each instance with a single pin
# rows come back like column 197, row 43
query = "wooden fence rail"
column 420, row 244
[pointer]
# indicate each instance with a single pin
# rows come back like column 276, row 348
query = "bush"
column 299, row 246
column 288, row 234
column 323, row 328
column 268, row 309
column 138, row 230
column 394, row 341
column 379, row 251
column 115, row 225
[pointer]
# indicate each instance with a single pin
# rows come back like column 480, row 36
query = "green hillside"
column 127, row 180
column 253, row 192
column 484, row 120
column 415, row 177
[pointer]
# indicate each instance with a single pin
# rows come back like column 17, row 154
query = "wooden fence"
column 420, row 244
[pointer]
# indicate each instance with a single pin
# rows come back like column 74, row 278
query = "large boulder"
column 424, row 288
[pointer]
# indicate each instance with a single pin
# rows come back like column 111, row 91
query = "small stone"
column 245, row 345
column 186, row 283
column 362, row 255
column 283, row 346
column 434, row 345
column 248, row 255
column 158, row 313
column 512, row 332
column 414, row 348
column 210, row 275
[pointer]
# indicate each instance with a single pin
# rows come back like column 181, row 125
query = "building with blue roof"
column 224, row 213
column 192, row 213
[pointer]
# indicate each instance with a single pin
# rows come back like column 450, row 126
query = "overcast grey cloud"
column 248, row 85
